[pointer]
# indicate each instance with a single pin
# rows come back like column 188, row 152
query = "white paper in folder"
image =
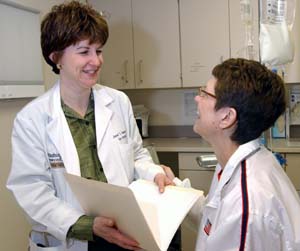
column 139, row 210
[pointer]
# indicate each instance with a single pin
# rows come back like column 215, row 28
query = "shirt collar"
column 243, row 152
column 68, row 111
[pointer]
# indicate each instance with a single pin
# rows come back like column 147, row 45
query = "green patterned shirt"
column 84, row 136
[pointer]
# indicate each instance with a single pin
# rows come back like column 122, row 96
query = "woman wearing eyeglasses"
column 252, row 205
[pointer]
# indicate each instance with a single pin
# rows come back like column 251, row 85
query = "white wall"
column 14, row 228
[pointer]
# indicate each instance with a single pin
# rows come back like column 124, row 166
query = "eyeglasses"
column 203, row 93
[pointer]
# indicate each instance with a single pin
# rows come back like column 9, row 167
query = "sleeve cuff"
column 82, row 229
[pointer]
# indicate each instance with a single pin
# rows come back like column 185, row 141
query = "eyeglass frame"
column 201, row 91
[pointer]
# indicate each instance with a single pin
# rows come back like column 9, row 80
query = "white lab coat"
column 43, row 149
column 273, row 203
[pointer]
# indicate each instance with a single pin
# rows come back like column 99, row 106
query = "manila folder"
column 140, row 211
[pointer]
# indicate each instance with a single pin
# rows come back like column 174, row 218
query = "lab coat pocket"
column 41, row 241
column 126, row 152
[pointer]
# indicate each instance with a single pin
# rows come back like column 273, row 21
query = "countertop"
column 199, row 145
column 178, row 144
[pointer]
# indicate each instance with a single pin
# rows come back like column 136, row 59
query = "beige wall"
column 167, row 106
column 14, row 228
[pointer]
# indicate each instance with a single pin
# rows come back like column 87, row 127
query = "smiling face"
column 80, row 64
column 206, row 121
column 214, row 125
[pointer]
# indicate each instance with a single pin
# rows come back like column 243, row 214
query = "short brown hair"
column 67, row 24
column 256, row 93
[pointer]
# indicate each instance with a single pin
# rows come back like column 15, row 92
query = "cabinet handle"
column 140, row 72
column 125, row 64
column 207, row 161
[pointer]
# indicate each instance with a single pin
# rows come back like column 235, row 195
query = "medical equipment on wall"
column 277, row 49
column 293, row 124
column 288, row 125
column 276, row 21
column 295, row 105
column 247, row 20
column 141, row 114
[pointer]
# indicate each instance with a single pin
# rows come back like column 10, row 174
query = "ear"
column 52, row 57
column 228, row 117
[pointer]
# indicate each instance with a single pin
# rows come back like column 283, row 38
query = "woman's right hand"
column 106, row 229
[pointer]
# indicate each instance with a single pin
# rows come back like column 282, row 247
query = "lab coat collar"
column 242, row 153
column 103, row 113
column 60, row 134
column 54, row 101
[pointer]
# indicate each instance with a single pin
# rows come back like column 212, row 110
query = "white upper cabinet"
column 143, row 48
column 159, row 44
column 205, row 40
column 118, row 68
column 156, row 43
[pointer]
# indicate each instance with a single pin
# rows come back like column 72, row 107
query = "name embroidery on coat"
column 55, row 160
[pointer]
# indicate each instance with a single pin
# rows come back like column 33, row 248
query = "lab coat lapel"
column 103, row 114
column 60, row 134
column 242, row 153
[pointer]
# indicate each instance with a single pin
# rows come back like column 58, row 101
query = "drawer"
column 199, row 179
column 192, row 161
column 293, row 169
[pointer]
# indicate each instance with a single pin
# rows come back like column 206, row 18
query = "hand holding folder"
column 139, row 210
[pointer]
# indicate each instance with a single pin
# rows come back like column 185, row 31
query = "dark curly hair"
column 68, row 23
column 256, row 93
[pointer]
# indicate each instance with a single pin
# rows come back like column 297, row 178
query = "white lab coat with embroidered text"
column 43, row 149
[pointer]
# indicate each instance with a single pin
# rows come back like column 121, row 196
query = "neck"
column 224, row 149
column 75, row 98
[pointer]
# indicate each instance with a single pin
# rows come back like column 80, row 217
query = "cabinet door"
column 200, row 178
column 156, row 43
column 238, row 30
column 204, row 38
column 293, row 169
column 188, row 237
column 117, row 70
column 189, row 167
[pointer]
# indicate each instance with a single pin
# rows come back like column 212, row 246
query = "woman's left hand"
column 168, row 171
column 161, row 181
